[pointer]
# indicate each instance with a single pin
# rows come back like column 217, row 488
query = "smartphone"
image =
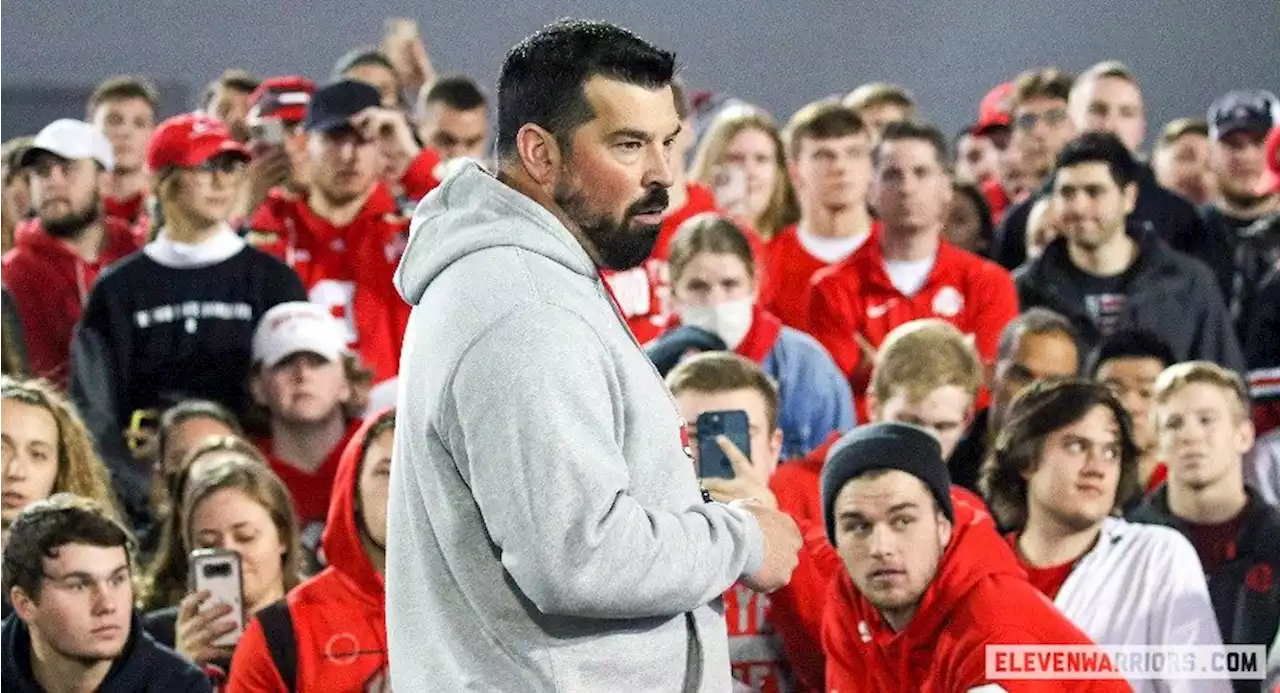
column 268, row 131
column 218, row 571
column 712, row 462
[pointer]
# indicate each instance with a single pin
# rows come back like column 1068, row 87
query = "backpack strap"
column 277, row 630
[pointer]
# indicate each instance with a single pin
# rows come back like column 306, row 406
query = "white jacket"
column 1143, row 585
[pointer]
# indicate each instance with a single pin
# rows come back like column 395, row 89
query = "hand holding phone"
column 218, row 591
column 713, row 463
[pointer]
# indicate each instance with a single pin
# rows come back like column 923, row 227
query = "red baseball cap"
column 285, row 98
column 996, row 109
column 189, row 140
column 1271, row 177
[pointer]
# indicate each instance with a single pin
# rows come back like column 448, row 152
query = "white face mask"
column 729, row 320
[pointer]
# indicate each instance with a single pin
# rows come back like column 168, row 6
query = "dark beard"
column 69, row 227
column 1245, row 201
column 619, row 245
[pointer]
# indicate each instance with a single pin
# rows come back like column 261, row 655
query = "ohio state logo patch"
column 948, row 302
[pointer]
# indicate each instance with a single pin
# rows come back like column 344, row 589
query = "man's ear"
column 539, row 153
column 945, row 529
column 23, row 605
column 1130, row 197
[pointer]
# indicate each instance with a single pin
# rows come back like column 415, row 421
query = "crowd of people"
column 1018, row 384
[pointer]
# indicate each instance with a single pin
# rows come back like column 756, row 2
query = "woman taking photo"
column 232, row 501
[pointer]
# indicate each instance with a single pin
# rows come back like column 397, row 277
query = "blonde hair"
column 727, row 124
column 921, row 356
column 80, row 470
column 1180, row 375
column 879, row 94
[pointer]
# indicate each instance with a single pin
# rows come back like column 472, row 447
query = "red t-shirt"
column 643, row 293
column 310, row 491
column 125, row 209
column 855, row 300
column 788, row 272
column 1048, row 579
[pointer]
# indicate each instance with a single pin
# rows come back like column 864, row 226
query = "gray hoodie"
column 546, row 530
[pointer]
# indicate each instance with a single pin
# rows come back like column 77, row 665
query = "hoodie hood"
column 471, row 211
column 341, row 541
column 976, row 553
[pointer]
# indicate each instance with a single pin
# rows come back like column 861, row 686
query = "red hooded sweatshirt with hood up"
column 339, row 616
column 979, row 597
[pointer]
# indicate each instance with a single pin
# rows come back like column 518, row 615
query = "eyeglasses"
column 1051, row 117
column 221, row 164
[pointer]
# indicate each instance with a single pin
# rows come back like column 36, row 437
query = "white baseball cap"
column 71, row 139
column 296, row 327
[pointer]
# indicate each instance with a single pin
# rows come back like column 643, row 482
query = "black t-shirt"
column 1106, row 299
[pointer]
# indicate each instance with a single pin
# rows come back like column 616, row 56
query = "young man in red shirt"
column 907, row 271
column 303, row 381
column 344, row 237
column 124, row 109
column 928, row 585
column 927, row 375
column 829, row 157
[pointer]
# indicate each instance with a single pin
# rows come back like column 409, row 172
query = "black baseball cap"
column 334, row 105
column 1253, row 110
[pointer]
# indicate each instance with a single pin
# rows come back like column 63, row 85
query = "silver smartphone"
column 219, row 572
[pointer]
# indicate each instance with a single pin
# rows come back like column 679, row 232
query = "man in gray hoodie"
column 547, row 532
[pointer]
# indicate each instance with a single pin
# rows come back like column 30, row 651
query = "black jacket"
column 1245, row 590
column 143, row 666
column 1169, row 293
column 1240, row 252
column 1262, row 337
column 966, row 460
column 1171, row 215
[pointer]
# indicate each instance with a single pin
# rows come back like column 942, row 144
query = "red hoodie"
column 339, row 617
column 979, row 597
column 50, row 283
column 796, row 611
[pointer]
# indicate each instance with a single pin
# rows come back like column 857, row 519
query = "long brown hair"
column 782, row 208
column 80, row 470
column 1037, row 412
column 165, row 579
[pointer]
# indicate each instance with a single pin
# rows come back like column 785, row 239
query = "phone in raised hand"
column 732, row 424
column 219, row 572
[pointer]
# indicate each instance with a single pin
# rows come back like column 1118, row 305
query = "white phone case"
column 218, row 571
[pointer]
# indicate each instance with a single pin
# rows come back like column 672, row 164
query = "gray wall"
column 780, row 54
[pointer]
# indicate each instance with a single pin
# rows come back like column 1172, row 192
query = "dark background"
column 778, row 54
